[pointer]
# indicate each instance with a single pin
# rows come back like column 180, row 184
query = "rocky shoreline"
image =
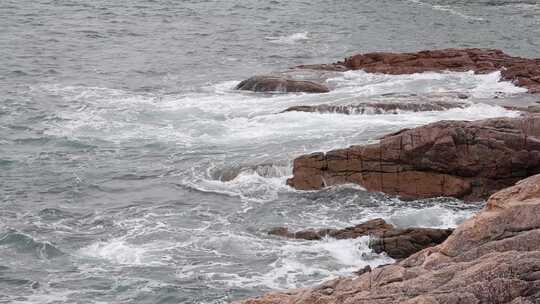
column 493, row 257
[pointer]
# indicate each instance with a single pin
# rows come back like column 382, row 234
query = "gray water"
column 131, row 172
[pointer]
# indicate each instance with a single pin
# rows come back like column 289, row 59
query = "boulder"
column 279, row 84
column 461, row 159
column 397, row 243
column 493, row 257
column 521, row 71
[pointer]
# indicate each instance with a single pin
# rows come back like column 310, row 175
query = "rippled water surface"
column 132, row 172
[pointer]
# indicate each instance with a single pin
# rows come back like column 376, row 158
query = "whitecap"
column 289, row 39
column 116, row 251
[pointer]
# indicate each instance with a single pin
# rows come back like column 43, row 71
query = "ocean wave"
column 24, row 243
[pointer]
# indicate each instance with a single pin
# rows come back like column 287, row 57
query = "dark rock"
column 363, row 270
column 466, row 160
column 379, row 107
column 397, row 243
column 401, row 243
column 278, row 84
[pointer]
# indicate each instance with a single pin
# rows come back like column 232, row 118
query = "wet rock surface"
column 523, row 72
column 461, row 159
column 280, row 84
column 397, row 243
column 401, row 243
column 493, row 257
column 379, row 107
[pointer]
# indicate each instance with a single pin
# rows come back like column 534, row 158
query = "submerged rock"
column 493, row 257
column 280, row 85
column 397, row 243
column 462, row 159
column 521, row 71
column 379, row 107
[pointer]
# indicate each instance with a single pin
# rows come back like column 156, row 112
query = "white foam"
column 289, row 39
column 116, row 251
column 448, row 9
column 478, row 85
column 248, row 185
column 432, row 217
column 44, row 297
column 490, row 85
column 298, row 263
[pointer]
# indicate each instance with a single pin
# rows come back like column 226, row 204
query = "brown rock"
column 466, row 160
column 280, row 84
column 521, row 71
column 397, row 243
column 493, row 257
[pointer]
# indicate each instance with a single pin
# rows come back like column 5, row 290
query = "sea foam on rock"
column 493, row 257
column 462, row 159
column 522, row 72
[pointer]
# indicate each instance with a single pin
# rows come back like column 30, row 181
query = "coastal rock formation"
column 493, row 257
column 397, row 243
column 379, row 107
column 280, row 84
column 466, row 160
column 521, row 71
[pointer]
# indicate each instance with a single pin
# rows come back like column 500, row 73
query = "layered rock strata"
column 462, row 159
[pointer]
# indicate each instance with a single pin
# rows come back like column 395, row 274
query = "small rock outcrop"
column 493, row 257
column 277, row 84
column 521, row 71
column 379, row 107
column 372, row 227
column 461, row 159
column 397, row 243
column 402, row 243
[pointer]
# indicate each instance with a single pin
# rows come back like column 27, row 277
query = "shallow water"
column 132, row 172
